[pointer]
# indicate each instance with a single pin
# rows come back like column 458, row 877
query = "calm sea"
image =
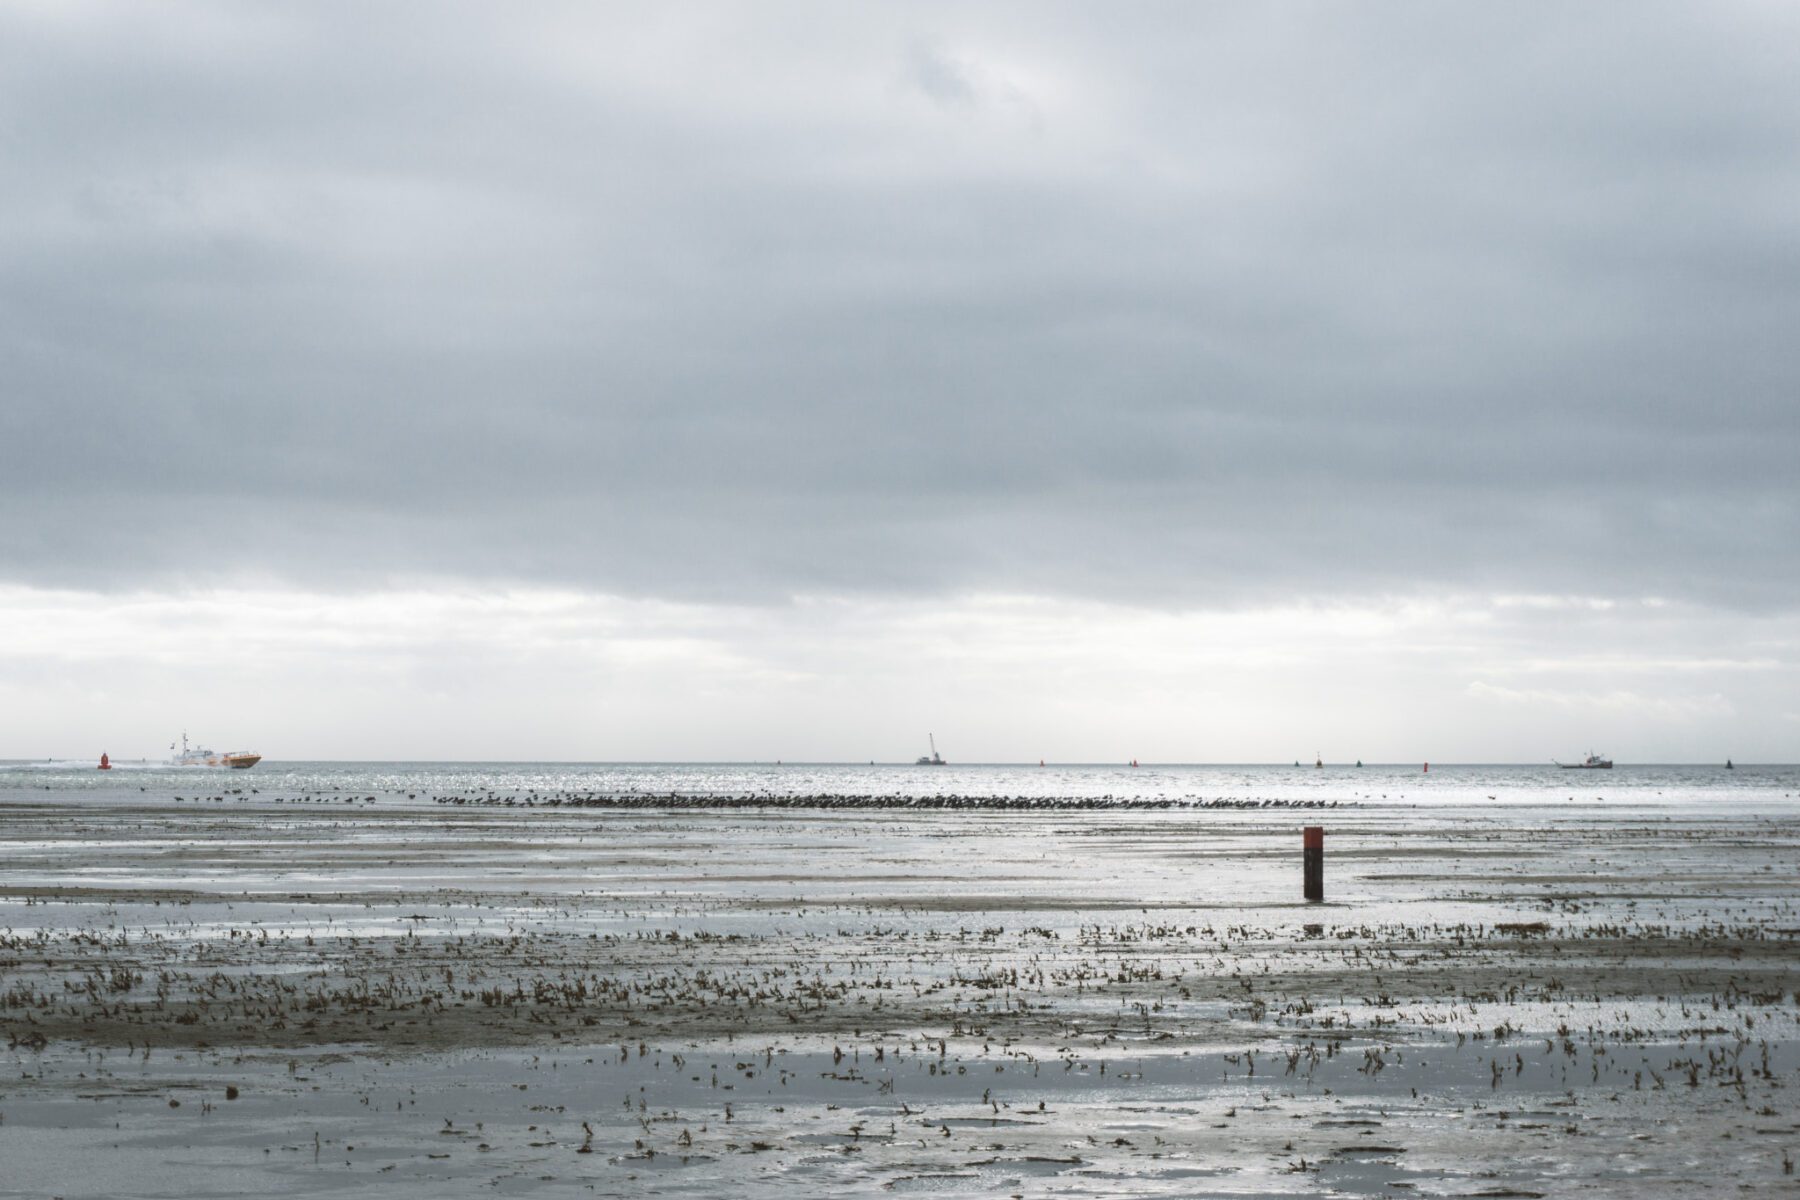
column 1444, row 783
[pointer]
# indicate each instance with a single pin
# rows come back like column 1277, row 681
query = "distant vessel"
column 932, row 759
column 1728, row 765
column 1593, row 763
column 196, row 756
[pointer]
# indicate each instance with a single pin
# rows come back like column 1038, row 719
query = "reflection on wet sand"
column 417, row 997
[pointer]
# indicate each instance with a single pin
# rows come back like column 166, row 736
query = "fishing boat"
column 1593, row 762
column 933, row 759
column 197, row 756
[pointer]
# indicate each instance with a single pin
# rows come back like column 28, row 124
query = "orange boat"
column 197, row 757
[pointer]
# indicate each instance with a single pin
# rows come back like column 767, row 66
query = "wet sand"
column 305, row 994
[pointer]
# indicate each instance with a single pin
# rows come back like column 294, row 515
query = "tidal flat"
column 402, row 992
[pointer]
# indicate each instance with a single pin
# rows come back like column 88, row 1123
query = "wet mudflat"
column 314, row 993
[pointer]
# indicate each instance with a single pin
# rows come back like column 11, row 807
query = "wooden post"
column 1314, row 836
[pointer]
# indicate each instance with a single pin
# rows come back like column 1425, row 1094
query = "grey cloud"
column 939, row 75
column 1258, row 303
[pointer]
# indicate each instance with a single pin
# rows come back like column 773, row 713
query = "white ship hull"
column 240, row 760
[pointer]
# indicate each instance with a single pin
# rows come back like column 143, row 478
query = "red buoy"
column 105, row 763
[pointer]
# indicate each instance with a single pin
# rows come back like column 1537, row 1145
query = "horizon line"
column 1045, row 763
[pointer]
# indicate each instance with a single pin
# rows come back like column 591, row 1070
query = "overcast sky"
column 1186, row 382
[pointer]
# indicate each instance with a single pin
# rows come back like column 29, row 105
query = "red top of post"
column 1315, row 837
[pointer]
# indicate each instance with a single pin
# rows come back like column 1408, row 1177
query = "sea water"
column 1430, row 785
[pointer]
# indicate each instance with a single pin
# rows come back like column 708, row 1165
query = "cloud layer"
column 1186, row 307
column 561, row 674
